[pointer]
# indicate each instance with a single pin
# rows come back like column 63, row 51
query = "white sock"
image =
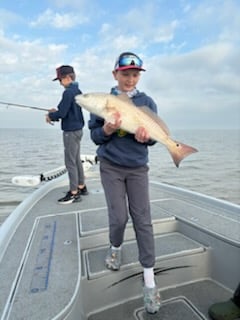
column 116, row 248
column 148, row 276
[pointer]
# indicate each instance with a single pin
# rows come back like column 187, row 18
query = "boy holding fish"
column 124, row 174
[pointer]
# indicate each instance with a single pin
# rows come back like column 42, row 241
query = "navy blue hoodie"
column 68, row 110
column 121, row 148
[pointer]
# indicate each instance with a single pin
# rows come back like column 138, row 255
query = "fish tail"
column 179, row 151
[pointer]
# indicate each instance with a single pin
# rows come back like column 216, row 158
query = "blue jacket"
column 68, row 110
column 122, row 148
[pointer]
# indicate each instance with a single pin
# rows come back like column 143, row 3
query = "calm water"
column 214, row 170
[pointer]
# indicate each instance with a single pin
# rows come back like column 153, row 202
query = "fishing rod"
column 22, row 106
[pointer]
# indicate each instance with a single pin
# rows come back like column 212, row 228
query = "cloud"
column 165, row 33
column 21, row 56
column 58, row 20
column 191, row 53
column 27, row 69
column 215, row 19
column 144, row 23
column 202, row 83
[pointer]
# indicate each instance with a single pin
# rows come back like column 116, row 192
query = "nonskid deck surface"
column 178, row 259
column 216, row 217
column 185, row 302
column 44, row 272
column 58, row 246
column 167, row 245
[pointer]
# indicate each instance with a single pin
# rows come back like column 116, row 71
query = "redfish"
column 132, row 117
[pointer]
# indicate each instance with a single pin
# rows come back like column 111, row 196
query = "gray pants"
column 127, row 189
column 73, row 163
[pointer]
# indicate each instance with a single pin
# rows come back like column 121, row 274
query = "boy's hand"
column 110, row 127
column 142, row 135
column 48, row 120
column 52, row 110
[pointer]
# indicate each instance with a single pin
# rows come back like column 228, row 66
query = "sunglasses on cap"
column 129, row 61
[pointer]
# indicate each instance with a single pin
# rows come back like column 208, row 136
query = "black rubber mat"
column 176, row 309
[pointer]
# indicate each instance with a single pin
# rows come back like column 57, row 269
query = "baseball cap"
column 63, row 71
column 128, row 60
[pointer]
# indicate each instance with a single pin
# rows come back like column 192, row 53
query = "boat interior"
column 52, row 257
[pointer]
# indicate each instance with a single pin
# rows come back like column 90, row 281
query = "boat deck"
column 53, row 265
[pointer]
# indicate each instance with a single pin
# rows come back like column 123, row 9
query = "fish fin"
column 124, row 97
column 156, row 118
column 110, row 112
column 179, row 151
column 110, row 107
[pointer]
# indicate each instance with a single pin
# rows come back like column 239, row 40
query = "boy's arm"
column 63, row 106
column 95, row 124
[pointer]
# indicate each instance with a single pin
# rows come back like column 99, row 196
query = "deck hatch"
column 169, row 245
column 175, row 309
column 96, row 220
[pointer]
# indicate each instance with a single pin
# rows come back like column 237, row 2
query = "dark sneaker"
column 151, row 299
column 113, row 259
column 83, row 191
column 70, row 198
column 227, row 310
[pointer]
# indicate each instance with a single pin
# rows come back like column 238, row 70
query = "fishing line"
column 22, row 106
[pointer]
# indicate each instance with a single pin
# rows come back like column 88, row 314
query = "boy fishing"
column 72, row 124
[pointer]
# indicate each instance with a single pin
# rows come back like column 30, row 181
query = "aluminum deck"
column 52, row 257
